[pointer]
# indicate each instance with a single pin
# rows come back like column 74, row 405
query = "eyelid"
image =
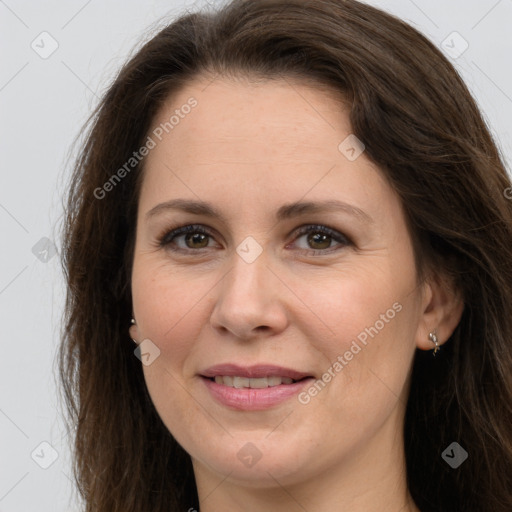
column 322, row 228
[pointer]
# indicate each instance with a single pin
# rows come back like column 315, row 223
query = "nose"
column 250, row 301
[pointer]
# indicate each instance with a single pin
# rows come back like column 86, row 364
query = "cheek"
column 171, row 312
column 354, row 304
column 364, row 335
column 171, row 308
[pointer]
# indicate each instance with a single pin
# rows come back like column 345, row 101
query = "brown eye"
column 192, row 237
column 318, row 239
column 196, row 240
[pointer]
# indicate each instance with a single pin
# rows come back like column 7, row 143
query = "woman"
column 290, row 207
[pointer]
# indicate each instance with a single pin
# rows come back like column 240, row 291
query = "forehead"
column 271, row 141
column 247, row 113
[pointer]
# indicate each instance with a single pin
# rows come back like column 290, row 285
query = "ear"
column 134, row 333
column 442, row 308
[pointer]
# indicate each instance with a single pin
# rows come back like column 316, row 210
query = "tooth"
column 259, row 383
column 241, row 382
column 274, row 381
column 254, row 383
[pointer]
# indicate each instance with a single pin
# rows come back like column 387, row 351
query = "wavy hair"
column 423, row 129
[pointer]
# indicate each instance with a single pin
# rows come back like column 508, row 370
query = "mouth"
column 256, row 376
column 239, row 382
column 255, row 387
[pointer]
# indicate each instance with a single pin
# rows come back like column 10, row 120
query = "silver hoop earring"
column 433, row 338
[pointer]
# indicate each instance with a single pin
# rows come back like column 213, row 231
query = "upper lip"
column 256, row 371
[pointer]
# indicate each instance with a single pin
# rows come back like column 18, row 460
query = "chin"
column 259, row 465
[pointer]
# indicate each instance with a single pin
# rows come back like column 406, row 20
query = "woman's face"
column 295, row 286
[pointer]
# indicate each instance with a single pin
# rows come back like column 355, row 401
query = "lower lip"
column 248, row 399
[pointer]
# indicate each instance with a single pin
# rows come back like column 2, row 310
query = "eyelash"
column 167, row 239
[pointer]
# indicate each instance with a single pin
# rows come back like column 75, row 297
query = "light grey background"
column 43, row 103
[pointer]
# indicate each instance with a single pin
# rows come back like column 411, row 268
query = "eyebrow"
column 286, row 211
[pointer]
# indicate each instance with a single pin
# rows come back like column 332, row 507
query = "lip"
column 248, row 399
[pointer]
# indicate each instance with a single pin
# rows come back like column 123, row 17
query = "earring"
column 433, row 338
column 133, row 323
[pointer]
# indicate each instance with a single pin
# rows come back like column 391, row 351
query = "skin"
column 249, row 147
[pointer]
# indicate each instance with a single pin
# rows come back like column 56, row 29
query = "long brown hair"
column 420, row 125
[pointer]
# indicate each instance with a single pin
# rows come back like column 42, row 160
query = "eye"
column 191, row 237
column 319, row 239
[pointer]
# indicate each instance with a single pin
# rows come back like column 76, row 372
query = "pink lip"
column 253, row 399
